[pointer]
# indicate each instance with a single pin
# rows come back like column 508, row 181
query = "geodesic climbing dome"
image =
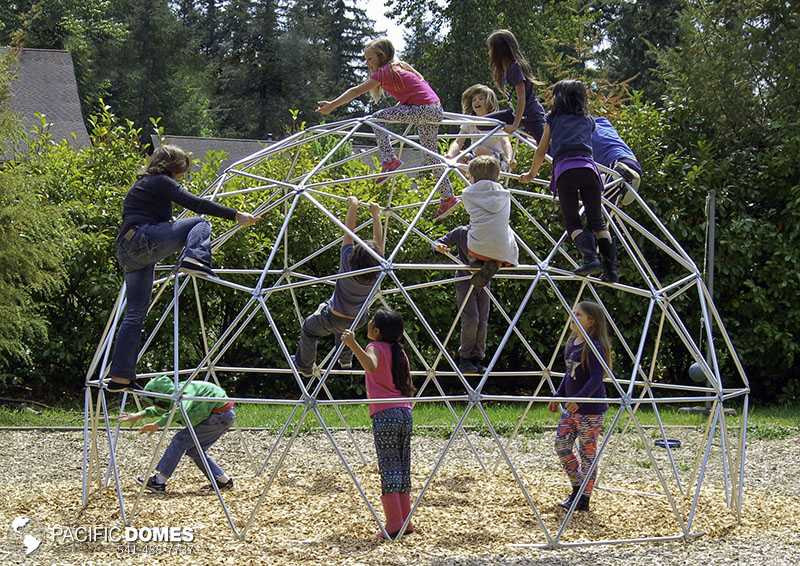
column 272, row 276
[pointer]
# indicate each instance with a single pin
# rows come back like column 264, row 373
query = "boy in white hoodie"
column 490, row 239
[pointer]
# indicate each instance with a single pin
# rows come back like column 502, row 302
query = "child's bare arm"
column 377, row 226
column 367, row 358
column 326, row 107
column 350, row 220
column 538, row 157
column 455, row 147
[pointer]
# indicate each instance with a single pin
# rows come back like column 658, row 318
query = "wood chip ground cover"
column 314, row 514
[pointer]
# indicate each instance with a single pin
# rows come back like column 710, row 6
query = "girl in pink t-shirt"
column 388, row 376
column 418, row 104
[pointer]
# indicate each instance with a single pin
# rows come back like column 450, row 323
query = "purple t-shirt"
column 580, row 381
column 534, row 112
column 404, row 85
column 349, row 294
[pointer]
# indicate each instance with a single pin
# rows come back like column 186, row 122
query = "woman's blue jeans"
column 138, row 256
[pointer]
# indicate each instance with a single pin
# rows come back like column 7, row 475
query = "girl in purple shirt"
column 509, row 67
column 388, row 375
column 583, row 378
column 417, row 104
column 568, row 136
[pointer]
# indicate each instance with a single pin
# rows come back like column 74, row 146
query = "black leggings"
column 586, row 182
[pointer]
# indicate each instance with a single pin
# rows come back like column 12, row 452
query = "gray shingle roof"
column 45, row 82
column 234, row 148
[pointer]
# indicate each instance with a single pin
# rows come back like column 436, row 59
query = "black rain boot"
column 587, row 245
column 610, row 266
column 583, row 503
column 567, row 503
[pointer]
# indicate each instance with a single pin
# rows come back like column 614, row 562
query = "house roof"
column 235, row 149
column 44, row 82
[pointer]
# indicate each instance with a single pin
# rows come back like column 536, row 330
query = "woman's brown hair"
column 168, row 160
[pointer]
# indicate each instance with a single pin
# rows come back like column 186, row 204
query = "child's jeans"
column 208, row 432
column 138, row 254
column 320, row 324
column 474, row 321
column 391, row 429
column 586, row 429
column 426, row 118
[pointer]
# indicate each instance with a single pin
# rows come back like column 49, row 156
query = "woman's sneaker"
column 386, row 167
column 118, row 387
column 192, row 266
column 447, row 206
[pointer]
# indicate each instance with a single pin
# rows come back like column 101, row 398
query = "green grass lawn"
column 765, row 422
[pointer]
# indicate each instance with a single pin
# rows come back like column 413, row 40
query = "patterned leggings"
column 586, row 429
column 391, row 429
column 426, row 118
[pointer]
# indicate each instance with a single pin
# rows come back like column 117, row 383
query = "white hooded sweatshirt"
column 489, row 207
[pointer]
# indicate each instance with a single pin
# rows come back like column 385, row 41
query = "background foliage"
column 705, row 91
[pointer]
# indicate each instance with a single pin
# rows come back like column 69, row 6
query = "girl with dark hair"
column 568, row 136
column 148, row 235
column 388, row 375
column 583, row 378
column 510, row 67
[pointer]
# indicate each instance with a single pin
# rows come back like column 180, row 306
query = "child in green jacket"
column 210, row 420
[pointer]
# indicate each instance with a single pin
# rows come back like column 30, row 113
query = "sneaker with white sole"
column 632, row 178
column 191, row 266
column 305, row 372
column 152, row 485
column 447, row 206
column 386, row 167
column 484, row 275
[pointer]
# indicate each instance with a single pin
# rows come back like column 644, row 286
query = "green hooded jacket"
column 198, row 411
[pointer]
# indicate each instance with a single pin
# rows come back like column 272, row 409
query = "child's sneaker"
column 632, row 178
column 305, row 372
column 152, row 485
column 447, row 206
column 478, row 364
column 386, row 167
column 484, row 275
column 567, row 503
column 466, row 366
column 583, row 503
column 345, row 364
column 223, row 486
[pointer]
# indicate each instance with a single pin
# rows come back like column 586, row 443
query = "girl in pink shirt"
column 388, row 376
column 417, row 104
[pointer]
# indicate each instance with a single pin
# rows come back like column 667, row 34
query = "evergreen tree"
column 153, row 72
column 635, row 33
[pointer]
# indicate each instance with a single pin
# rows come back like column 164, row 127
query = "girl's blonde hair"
column 168, row 160
column 474, row 90
column 504, row 50
column 385, row 52
column 598, row 331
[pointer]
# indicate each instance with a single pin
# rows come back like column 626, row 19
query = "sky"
column 375, row 10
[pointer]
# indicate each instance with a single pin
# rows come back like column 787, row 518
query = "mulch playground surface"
column 314, row 514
